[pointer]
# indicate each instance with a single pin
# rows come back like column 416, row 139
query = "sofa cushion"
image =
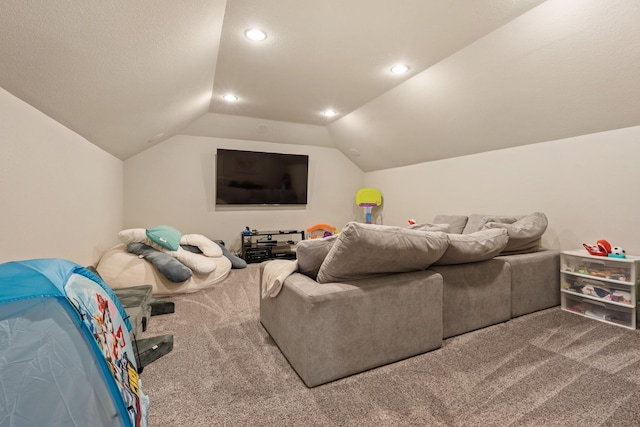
column 474, row 247
column 477, row 222
column 445, row 228
column 524, row 234
column 311, row 253
column 456, row 222
column 366, row 250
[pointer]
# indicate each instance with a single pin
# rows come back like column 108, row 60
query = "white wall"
column 61, row 195
column 588, row 186
column 172, row 183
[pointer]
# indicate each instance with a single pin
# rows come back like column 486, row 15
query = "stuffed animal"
column 618, row 252
column 601, row 248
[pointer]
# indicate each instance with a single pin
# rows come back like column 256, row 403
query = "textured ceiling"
column 485, row 74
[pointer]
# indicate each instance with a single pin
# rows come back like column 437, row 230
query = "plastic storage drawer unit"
column 601, row 288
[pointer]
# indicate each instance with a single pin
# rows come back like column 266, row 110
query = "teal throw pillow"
column 165, row 236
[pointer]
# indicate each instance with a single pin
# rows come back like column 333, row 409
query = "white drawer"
column 608, row 292
column 615, row 314
column 622, row 270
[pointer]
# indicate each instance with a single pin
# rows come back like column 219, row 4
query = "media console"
column 258, row 246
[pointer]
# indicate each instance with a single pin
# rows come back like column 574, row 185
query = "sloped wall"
column 588, row 186
column 61, row 195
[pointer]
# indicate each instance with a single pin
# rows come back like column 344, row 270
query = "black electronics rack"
column 259, row 246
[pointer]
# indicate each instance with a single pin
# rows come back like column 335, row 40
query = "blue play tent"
column 66, row 358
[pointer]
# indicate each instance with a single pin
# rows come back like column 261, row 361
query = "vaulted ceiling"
column 484, row 74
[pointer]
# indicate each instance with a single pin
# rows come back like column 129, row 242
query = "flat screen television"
column 259, row 178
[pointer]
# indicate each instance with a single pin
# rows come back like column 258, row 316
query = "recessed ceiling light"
column 329, row 113
column 230, row 97
column 255, row 34
column 399, row 69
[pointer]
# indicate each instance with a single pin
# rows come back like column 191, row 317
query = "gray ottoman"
column 333, row 330
column 475, row 295
column 535, row 281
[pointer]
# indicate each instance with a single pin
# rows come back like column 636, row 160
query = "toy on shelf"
column 368, row 198
column 321, row 230
column 603, row 248
column 618, row 252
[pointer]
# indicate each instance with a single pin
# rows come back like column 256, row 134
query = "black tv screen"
column 258, row 178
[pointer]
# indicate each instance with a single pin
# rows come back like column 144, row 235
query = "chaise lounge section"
column 335, row 330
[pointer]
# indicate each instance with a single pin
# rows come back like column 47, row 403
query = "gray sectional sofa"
column 343, row 312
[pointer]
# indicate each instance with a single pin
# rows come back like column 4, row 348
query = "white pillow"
column 207, row 246
column 131, row 235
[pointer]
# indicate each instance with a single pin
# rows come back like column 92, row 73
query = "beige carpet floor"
column 549, row 368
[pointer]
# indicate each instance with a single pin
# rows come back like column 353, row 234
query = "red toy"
column 601, row 248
